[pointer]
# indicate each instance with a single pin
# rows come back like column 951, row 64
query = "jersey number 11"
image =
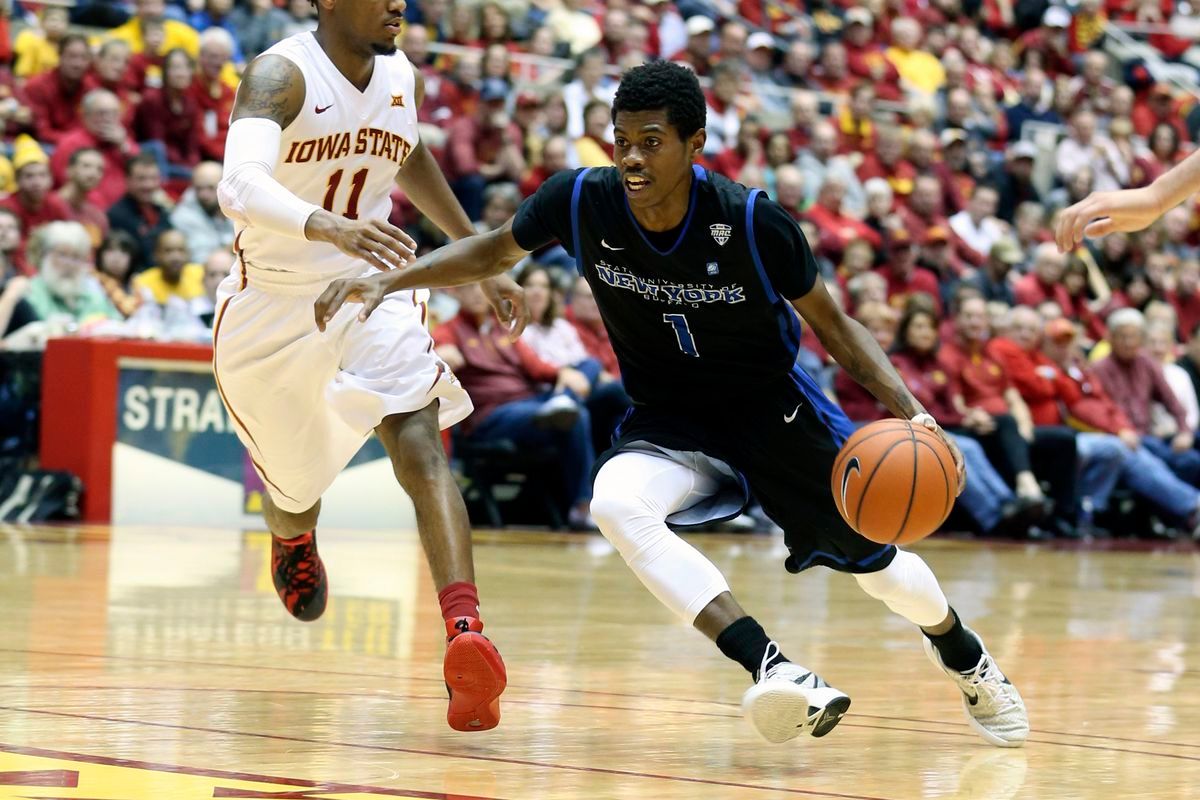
column 357, row 182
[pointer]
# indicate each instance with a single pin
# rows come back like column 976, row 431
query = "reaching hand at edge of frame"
column 1103, row 213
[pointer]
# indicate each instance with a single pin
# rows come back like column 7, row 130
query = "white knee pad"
column 909, row 588
column 630, row 507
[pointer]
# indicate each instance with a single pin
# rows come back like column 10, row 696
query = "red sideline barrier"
column 79, row 408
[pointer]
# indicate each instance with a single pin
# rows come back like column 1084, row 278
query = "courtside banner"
column 177, row 458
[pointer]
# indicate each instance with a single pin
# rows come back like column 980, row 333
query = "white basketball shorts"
column 303, row 402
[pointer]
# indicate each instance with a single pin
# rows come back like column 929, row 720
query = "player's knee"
column 623, row 518
column 419, row 467
column 908, row 587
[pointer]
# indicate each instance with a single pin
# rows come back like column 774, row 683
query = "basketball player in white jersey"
column 1128, row 210
column 323, row 126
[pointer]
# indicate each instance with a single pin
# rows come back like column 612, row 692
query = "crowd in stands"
column 907, row 138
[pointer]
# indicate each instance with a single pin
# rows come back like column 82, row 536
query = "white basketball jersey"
column 341, row 152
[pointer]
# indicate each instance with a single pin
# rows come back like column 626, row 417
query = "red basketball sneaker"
column 299, row 576
column 474, row 675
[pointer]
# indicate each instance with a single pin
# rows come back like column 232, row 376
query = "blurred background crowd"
column 924, row 147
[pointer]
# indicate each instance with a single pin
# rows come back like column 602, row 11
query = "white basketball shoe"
column 993, row 705
column 789, row 701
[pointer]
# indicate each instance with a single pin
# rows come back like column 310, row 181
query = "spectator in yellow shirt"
column 174, row 276
column 36, row 49
column 175, row 34
column 919, row 70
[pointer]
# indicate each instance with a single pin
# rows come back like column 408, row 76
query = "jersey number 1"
column 356, row 187
column 684, row 334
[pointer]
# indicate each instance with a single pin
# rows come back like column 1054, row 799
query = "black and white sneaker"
column 789, row 701
column 993, row 705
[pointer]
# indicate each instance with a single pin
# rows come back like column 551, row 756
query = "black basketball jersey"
column 698, row 316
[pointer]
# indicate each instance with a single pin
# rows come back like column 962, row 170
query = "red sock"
column 459, row 599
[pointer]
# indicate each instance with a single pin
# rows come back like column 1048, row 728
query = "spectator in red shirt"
column 937, row 255
column 1135, row 380
column 214, row 98
column 483, row 148
column 855, row 122
column 865, row 57
column 923, row 153
column 1088, row 407
column 837, row 228
column 554, row 159
column 923, row 209
column 1158, row 107
column 858, row 403
column 509, row 387
column 33, row 203
column 805, row 114
column 887, row 162
column 1044, row 281
column 904, row 278
column 108, row 72
column 101, row 130
column 1092, row 85
column 1089, row 294
column 84, row 171
column 55, row 96
column 832, row 75
column 986, row 497
column 584, row 314
column 1185, row 296
column 995, row 413
column 167, row 122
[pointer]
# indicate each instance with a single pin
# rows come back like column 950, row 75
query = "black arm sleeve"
column 22, row 315
column 545, row 216
column 784, row 251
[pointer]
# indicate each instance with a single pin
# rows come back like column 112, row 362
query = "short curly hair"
column 663, row 85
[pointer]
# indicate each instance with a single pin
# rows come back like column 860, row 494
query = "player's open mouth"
column 635, row 183
column 394, row 26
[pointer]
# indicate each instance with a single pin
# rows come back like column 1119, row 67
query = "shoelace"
column 987, row 680
column 766, row 659
column 300, row 573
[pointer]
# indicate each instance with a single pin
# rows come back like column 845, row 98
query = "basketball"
column 894, row 482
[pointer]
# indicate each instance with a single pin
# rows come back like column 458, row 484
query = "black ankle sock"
column 745, row 642
column 959, row 650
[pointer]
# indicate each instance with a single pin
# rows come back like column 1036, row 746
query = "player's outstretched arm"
column 1129, row 210
column 465, row 261
column 853, row 347
column 268, row 100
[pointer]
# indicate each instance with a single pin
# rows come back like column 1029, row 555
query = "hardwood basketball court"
column 157, row 663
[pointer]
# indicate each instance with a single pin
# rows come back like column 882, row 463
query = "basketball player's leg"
column 473, row 669
column 993, row 706
column 634, row 493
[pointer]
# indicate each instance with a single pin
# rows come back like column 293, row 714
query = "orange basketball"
column 894, row 482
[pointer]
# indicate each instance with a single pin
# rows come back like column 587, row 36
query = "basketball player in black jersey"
column 699, row 281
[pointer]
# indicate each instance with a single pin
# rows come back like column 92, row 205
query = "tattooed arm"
column 269, row 99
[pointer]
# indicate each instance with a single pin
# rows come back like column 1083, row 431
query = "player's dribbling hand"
column 927, row 421
column 507, row 299
column 1107, row 212
column 378, row 242
column 368, row 291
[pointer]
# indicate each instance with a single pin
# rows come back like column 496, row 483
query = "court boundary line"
column 442, row 754
column 683, row 700
column 250, row 777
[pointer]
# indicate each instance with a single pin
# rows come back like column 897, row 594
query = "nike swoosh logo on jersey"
column 792, row 416
column 608, row 246
column 320, row 110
